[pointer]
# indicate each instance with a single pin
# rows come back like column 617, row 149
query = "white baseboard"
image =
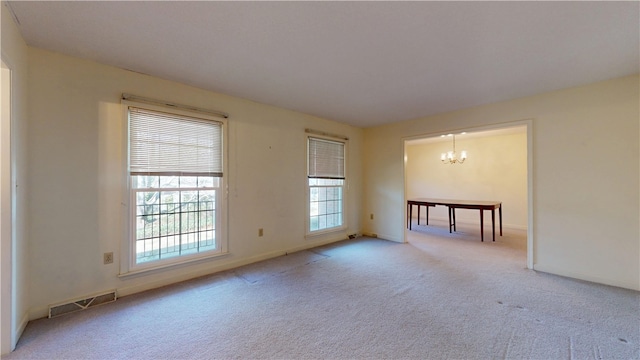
column 383, row 237
column 595, row 279
column 130, row 290
column 41, row 312
column 19, row 330
column 23, row 325
column 390, row 238
column 38, row 312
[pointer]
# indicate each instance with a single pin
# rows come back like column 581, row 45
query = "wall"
column 495, row 170
column 76, row 163
column 15, row 270
column 586, row 209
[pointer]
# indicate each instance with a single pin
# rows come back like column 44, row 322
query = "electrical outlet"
column 371, row 216
column 108, row 258
column 260, row 232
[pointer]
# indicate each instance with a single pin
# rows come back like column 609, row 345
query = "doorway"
column 498, row 167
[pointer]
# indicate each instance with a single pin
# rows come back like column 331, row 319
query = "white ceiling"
column 362, row 63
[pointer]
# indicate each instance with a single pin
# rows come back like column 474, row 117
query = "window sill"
column 170, row 266
column 325, row 232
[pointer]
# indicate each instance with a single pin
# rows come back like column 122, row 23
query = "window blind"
column 170, row 144
column 326, row 159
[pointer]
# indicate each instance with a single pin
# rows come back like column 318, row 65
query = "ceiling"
column 361, row 63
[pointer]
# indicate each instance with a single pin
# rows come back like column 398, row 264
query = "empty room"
column 284, row 180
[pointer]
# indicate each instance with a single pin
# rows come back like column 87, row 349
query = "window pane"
column 322, row 222
column 322, row 207
column 325, row 207
column 322, row 194
column 169, row 181
column 313, row 222
column 207, row 199
column 188, row 181
column 205, row 181
column 174, row 223
column 331, row 207
column 144, row 182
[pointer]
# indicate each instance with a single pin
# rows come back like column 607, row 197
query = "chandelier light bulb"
column 451, row 157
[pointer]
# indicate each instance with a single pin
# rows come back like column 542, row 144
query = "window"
column 326, row 184
column 176, row 182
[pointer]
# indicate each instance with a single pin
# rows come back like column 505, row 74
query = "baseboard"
column 383, row 237
column 38, row 312
column 579, row 276
column 130, row 290
column 390, row 238
column 43, row 311
column 21, row 326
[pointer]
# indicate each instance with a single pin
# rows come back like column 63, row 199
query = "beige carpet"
column 441, row 296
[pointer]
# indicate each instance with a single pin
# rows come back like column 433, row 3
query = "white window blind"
column 326, row 159
column 170, row 144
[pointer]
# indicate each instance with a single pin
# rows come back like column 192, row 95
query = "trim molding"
column 584, row 277
column 21, row 326
column 42, row 312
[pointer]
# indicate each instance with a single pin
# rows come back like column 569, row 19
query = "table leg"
column 500, row 213
column 427, row 218
column 493, row 224
column 453, row 210
column 452, row 218
column 418, row 214
column 481, row 225
column 410, row 215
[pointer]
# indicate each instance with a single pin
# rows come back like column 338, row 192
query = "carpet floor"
column 440, row 296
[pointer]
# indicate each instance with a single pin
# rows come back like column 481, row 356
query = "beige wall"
column 76, row 163
column 586, row 179
column 15, row 270
column 495, row 170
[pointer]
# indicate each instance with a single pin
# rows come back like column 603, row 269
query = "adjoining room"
column 474, row 167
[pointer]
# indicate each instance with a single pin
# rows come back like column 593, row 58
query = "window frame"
column 128, row 265
column 345, row 188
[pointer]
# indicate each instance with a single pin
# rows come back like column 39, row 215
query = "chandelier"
column 451, row 157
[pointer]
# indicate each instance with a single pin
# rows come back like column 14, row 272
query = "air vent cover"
column 81, row 304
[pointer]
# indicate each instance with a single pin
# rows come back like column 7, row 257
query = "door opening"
column 498, row 167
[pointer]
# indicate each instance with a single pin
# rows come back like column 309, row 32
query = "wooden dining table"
column 452, row 205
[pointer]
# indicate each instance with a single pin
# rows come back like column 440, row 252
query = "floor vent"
column 81, row 304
